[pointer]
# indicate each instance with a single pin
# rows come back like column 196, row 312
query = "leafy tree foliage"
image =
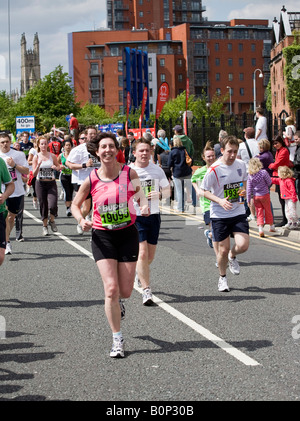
column 292, row 73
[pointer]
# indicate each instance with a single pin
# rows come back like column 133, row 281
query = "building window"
column 218, row 76
column 242, row 91
column 150, row 77
column 241, row 62
column 179, row 62
column 150, row 61
column 120, row 96
column 114, row 51
column 150, row 92
column 241, row 47
column 241, row 76
column 253, row 47
column 94, row 68
column 230, row 62
column 230, row 77
column 162, row 77
column 120, row 66
column 162, row 62
column 229, row 46
column 141, row 14
column 180, row 77
column 218, row 91
column 217, row 46
column 120, row 84
column 253, row 61
column 217, row 62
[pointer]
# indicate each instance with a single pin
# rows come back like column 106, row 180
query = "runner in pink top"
column 115, row 241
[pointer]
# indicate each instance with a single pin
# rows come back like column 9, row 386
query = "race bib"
column 148, row 186
column 114, row 216
column 231, row 191
column 13, row 174
column 46, row 174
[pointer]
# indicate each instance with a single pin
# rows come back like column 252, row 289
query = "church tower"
column 30, row 64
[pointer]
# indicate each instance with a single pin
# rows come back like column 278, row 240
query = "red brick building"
column 215, row 56
column 282, row 37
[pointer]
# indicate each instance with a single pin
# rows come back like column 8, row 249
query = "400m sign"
column 25, row 124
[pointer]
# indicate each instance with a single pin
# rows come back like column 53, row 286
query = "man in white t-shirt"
column 224, row 184
column 155, row 185
column 17, row 165
column 261, row 125
column 81, row 162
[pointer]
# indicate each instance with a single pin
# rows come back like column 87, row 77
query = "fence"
column 208, row 128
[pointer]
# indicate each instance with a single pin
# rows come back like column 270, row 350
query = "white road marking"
column 225, row 346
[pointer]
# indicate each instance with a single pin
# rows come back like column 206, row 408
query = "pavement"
column 293, row 235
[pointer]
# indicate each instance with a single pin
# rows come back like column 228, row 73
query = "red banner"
column 144, row 102
column 162, row 98
column 128, row 103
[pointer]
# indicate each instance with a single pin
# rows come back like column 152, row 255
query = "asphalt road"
column 195, row 344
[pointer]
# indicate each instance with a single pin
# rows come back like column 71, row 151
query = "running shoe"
column 79, row 229
column 147, row 297
column 222, row 285
column 209, row 240
column 234, row 265
column 117, row 350
column 53, row 226
column 45, row 231
column 20, row 239
column 122, row 308
column 35, row 204
column 8, row 249
column 68, row 212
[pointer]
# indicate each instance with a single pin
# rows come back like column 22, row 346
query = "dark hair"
column 68, row 140
column 93, row 145
column 278, row 139
column 208, row 147
column 232, row 140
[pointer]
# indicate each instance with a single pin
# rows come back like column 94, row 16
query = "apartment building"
column 282, row 37
column 154, row 14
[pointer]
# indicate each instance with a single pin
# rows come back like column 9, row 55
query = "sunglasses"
column 82, row 138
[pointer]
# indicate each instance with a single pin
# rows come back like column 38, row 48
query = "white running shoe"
column 79, row 229
column 35, row 204
column 234, row 265
column 53, row 226
column 147, row 297
column 222, row 285
column 8, row 249
column 117, row 350
column 45, row 231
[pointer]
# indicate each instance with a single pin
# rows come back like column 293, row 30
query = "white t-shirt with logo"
column 152, row 178
column 224, row 181
column 19, row 159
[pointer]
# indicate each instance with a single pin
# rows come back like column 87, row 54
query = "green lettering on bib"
column 114, row 216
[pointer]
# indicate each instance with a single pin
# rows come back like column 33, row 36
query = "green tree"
column 292, row 73
column 93, row 114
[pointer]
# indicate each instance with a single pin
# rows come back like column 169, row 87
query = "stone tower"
column 30, row 64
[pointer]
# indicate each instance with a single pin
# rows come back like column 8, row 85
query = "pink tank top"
column 113, row 201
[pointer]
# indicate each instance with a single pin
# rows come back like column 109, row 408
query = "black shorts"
column 149, row 227
column 224, row 227
column 121, row 245
column 77, row 187
column 2, row 231
column 15, row 204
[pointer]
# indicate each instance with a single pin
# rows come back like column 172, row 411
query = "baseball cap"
column 177, row 128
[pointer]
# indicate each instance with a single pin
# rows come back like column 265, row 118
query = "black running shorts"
column 121, row 245
column 225, row 227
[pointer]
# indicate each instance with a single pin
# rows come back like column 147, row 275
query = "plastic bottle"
column 241, row 195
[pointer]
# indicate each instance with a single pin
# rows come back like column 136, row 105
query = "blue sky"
column 54, row 19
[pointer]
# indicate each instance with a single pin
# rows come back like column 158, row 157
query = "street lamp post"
column 230, row 102
column 254, row 86
column 9, row 55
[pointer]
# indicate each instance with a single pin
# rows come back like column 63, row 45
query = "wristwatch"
column 84, row 165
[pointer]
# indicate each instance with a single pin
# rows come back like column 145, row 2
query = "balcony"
column 204, row 67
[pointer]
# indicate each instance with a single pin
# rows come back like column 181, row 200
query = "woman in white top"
column 288, row 136
column 43, row 166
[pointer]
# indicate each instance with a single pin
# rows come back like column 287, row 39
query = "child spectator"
column 286, row 181
column 258, row 184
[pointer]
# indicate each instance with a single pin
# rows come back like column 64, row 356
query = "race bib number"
column 96, row 163
column 148, row 186
column 231, row 191
column 114, row 216
column 46, row 174
column 13, row 174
